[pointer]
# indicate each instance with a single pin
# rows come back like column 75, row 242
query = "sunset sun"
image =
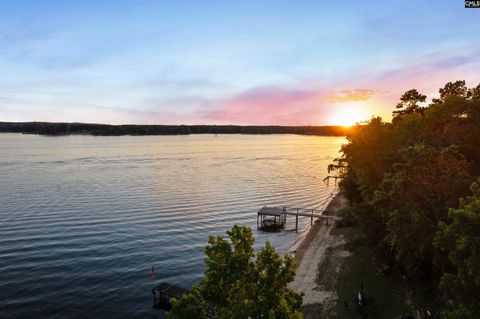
column 350, row 113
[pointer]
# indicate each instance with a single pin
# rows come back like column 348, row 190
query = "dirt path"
column 319, row 258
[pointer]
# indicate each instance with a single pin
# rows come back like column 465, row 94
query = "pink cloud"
column 273, row 105
column 285, row 106
column 305, row 103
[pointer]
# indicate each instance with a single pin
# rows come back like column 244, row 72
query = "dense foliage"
column 403, row 177
column 45, row 128
column 460, row 242
column 237, row 285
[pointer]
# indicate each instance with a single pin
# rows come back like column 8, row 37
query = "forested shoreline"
column 414, row 190
column 46, row 128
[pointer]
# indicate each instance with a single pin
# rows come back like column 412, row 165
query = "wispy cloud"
column 303, row 104
column 248, row 63
column 429, row 73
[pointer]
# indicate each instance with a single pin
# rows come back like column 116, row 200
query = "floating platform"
column 164, row 291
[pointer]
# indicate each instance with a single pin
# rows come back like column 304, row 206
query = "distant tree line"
column 414, row 189
column 45, row 128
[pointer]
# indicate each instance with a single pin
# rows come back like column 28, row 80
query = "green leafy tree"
column 459, row 241
column 237, row 285
column 409, row 104
column 414, row 197
column 456, row 121
column 402, row 178
column 475, row 92
column 191, row 305
column 369, row 154
column 457, row 88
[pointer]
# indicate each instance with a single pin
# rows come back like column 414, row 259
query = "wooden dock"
column 327, row 179
column 276, row 217
column 163, row 292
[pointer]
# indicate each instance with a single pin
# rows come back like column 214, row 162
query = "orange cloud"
column 350, row 95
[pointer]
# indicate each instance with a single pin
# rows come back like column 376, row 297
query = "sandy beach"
column 319, row 258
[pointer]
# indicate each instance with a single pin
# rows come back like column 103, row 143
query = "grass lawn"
column 385, row 295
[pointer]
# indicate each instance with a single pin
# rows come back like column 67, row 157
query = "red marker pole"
column 152, row 274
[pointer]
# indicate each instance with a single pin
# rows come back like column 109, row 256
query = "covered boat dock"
column 271, row 217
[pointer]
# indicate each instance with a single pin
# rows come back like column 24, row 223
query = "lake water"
column 83, row 219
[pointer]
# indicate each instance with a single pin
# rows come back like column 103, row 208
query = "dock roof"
column 271, row 211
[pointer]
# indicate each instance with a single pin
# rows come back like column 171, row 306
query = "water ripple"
column 84, row 218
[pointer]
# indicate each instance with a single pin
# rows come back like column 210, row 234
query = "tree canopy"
column 238, row 285
column 404, row 180
column 459, row 239
column 409, row 103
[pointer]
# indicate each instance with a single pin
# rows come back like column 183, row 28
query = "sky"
column 228, row 62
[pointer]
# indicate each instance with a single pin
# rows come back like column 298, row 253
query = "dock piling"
column 296, row 221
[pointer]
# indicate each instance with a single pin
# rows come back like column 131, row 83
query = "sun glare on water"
column 350, row 113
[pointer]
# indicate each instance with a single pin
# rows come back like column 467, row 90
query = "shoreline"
column 319, row 257
column 299, row 247
column 303, row 236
